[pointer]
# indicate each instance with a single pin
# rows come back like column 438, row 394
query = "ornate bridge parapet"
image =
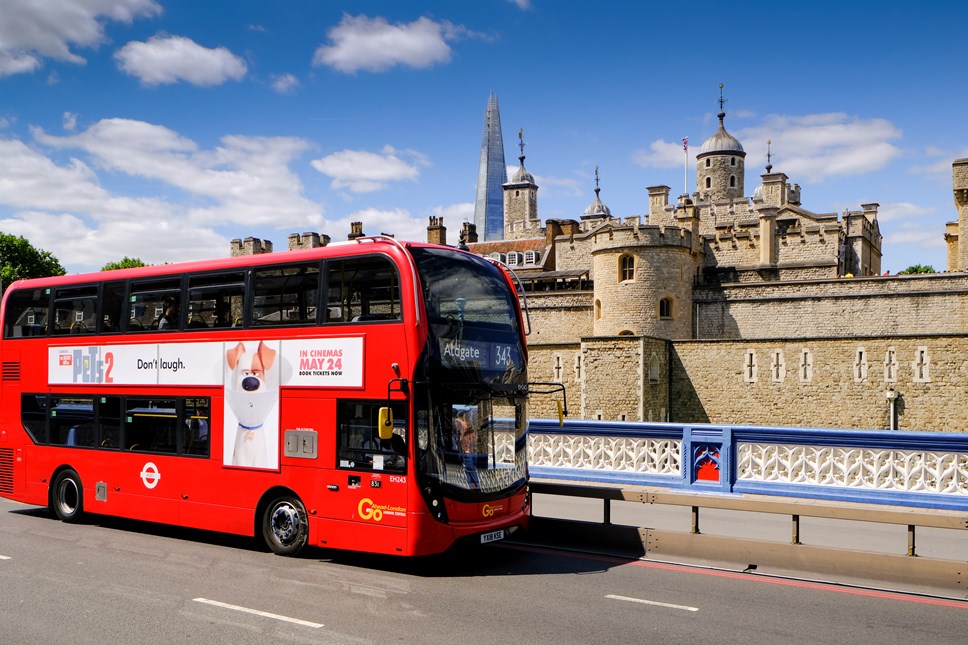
column 928, row 470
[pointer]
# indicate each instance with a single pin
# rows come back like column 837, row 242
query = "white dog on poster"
column 251, row 391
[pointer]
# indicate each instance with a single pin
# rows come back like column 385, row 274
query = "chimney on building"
column 658, row 200
column 469, row 232
column 308, row 240
column 436, row 231
column 249, row 246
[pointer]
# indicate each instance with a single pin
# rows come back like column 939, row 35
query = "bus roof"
column 335, row 249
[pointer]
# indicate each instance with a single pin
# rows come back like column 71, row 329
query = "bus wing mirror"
column 385, row 423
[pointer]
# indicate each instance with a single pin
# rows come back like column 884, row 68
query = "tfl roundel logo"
column 150, row 475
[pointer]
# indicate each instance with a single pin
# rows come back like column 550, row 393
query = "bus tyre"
column 67, row 497
column 285, row 526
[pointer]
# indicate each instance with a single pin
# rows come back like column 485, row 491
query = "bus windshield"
column 471, row 441
column 471, row 399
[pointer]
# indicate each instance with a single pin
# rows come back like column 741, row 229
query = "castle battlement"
column 639, row 236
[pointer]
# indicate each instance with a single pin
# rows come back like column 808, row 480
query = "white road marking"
column 304, row 623
column 4, row 557
column 652, row 602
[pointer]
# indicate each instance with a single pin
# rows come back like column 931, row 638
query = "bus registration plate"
column 493, row 536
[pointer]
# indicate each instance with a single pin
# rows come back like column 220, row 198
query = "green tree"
column 124, row 263
column 917, row 268
column 19, row 259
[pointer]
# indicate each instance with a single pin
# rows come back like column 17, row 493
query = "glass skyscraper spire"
column 491, row 176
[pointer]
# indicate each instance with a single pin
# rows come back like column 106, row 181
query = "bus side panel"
column 353, row 536
column 11, row 436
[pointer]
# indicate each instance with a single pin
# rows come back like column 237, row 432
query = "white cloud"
column 70, row 121
column 374, row 45
column 171, row 59
column 284, row 83
column 815, row 147
column 360, row 171
column 920, row 239
column 397, row 222
column 32, row 30
column 811, row 147
column 244, row 183
column 248, row 178
column 455, row 214
column 903, row 211
column 661, row 154
column 560, row 186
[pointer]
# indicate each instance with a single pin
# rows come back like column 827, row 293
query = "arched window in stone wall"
column 666, row 310
column 749, row 366
column 732, row 181
column 709, row 181
column 654, row 366
column 598, row 310
column 777, row 367
column 806, row 366
column 890, row 365
column 860, row 365
column 626, row 332
column 626, row 268
column 708, row 162
column 921, row 366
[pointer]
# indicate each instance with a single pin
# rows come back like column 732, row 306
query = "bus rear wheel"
column 285, row 525
column 67, row 497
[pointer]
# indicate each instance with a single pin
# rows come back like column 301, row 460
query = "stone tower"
column 521, row 219
column 959, row 171
column 720, row 164
column 491, row 175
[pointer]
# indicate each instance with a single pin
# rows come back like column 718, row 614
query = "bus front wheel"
column 67, row 498
column 285, row 526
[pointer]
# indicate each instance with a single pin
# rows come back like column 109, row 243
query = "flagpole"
column 685, row 165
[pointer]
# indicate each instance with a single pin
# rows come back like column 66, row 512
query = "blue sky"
column 163, row 129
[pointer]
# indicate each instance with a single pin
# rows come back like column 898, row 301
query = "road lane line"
column 652, row 602
column 4, row 557
column 264, row 614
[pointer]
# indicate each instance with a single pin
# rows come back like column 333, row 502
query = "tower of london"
column 723, row 307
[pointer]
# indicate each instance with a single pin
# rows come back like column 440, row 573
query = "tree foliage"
column 124, row 263
column 917, row 268
column 19, row 260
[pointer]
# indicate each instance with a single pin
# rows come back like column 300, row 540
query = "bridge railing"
column 924, row 470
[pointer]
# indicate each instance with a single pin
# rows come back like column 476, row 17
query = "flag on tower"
column 685, row 144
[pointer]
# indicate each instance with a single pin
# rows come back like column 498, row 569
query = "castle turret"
column 521, row 219
column 959, row 170
column 249, row 246
column 720, row 164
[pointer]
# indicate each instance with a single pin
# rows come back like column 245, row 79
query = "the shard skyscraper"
column 489, row 206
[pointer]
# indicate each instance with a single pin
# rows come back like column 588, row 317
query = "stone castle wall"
column 823, row 382
column 560, row 317
column 916, row 304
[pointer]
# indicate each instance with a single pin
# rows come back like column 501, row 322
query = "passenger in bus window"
column 169, row 317
column 468, row 447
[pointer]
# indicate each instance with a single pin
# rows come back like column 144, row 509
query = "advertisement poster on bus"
column 249, row 372
column 251, row 380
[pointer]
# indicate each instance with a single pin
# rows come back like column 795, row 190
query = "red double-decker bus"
column 367, row 395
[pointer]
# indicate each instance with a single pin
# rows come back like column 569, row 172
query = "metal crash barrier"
column 914, row 480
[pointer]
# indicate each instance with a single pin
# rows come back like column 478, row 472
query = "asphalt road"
column 113, row 581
